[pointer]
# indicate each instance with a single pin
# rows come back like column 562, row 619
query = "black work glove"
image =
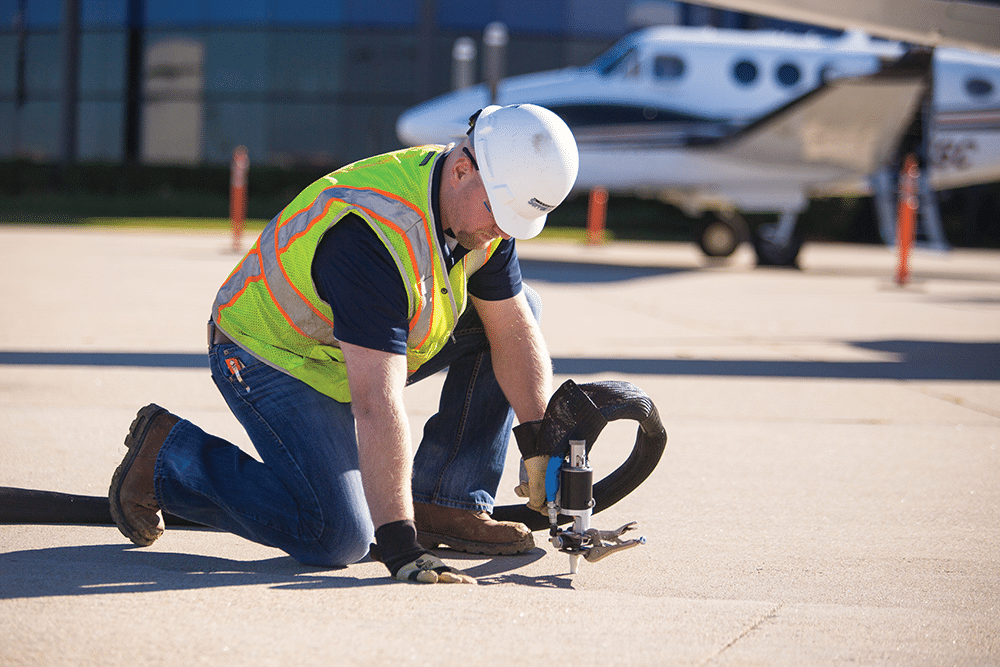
column 535, row 463
column 397, row 548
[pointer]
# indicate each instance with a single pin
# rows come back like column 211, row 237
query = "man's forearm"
column 522, row 364
column 386, row 464
column 524, row 372
column 377, row 380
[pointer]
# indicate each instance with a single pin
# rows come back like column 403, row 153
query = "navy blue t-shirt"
column 354, row 272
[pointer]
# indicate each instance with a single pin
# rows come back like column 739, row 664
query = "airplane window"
column 745, row 72
column 977, row 87
column 668, row 67
column 788, row 74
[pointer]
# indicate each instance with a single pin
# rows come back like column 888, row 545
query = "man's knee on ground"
column 339, row 545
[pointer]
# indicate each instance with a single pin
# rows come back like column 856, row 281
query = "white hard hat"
column 528, row 161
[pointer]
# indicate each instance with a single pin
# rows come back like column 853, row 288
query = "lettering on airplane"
column 953, row 154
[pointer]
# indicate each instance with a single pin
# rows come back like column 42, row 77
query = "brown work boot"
column 470, row 531
column 133, row 503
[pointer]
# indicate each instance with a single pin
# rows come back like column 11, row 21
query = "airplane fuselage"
column 650, row 114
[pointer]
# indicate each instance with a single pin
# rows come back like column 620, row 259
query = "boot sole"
column 431, row 541
column 142, row 422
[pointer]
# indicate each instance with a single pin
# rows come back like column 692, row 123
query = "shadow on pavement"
column 118, row 568
column 552, row 271
column 914, row 360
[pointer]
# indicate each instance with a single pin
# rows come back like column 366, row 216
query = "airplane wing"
column 854, row 123
column 965, row 24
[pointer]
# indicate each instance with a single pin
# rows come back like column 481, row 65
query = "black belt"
column 217, row 336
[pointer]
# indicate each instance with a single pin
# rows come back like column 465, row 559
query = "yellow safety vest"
column 269, row 305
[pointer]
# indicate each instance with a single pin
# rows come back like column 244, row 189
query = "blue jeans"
column 305, row 495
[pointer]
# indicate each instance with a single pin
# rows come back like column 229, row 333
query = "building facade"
column 295, row 81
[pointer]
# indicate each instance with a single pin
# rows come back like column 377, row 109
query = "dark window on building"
column 745, row 72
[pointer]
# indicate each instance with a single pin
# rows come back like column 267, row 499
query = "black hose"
column 616, row 400
column 52, row 507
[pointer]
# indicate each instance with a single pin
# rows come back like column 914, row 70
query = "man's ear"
column 462, row 167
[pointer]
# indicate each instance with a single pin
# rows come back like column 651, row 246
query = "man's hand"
column 397, row 548
column 535, row 465
column 429, row 569
column 534, row 488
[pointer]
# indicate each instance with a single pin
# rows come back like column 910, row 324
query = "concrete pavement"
column 830, row 492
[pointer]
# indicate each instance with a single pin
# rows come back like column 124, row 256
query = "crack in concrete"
column 753, row 626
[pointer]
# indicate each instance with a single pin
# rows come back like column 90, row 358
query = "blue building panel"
column 8, row 14
column 308, row 13
column 237, row 12
column 464, row 15
column 43, row 13
column 604, row 18
column 8, row 121
column 395, row 13
column 176, row 13
column 8, row 65
column 103, row 13
column 533, row 16
column 236, row 62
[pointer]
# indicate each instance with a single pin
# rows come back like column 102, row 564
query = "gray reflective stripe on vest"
column 410, row 221
column 249, row 269
column 298, row 311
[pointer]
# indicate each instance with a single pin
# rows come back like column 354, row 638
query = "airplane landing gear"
column 722, row 233
column 778, row 244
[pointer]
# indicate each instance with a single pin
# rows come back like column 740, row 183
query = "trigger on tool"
column 552, row 478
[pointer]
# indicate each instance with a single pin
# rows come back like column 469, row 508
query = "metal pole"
column 20, row 88
column 425, row 49
column 463, row 63
column 70, row 87
column 133, row 81
column 494, row 56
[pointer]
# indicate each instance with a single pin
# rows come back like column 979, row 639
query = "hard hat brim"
column 509, row 222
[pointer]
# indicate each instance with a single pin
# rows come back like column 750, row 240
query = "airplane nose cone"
column 409, row 129
column 441, row 120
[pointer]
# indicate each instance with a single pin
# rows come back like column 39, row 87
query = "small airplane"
column 728, row 121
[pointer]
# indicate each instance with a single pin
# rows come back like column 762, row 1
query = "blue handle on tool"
column 552, row 478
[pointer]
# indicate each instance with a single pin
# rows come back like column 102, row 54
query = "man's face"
column 473, row 223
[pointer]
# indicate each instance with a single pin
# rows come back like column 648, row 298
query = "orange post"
column 597, row 209
column 906, row 217
column 238, row 193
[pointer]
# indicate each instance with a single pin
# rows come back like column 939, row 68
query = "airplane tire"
column 770, row 253
column 720, row 236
